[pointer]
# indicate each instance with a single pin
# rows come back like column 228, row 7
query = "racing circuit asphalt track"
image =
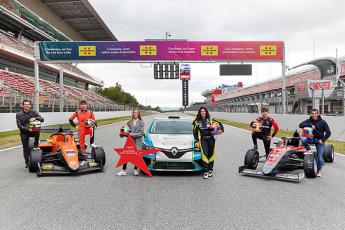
column 169, row 201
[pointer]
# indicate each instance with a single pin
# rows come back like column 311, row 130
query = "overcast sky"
column 296, row 22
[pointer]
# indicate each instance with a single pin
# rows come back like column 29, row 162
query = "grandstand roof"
column 82, row 17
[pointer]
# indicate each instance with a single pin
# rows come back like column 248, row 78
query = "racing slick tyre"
column 35, row 160
column 328, row 153
column 31, row 143
column 251, row 159
column 310, row 165
column 99, row 155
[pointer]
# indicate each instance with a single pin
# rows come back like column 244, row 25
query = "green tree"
column 117, row 94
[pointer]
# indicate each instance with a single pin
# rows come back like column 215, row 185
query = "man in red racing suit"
column 83, row 115
column 265, row 130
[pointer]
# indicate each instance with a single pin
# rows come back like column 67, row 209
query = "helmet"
column 35, row 126
column 89, row 123
column 124, row 131
column 256, row 126
column 214, row 128
column 308, row 132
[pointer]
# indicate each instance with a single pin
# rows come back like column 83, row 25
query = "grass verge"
column 11, row 138
column 339, row 146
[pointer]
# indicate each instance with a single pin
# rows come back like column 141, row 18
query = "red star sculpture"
column 130, row 154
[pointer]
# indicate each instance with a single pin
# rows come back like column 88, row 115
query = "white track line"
column 14, row 147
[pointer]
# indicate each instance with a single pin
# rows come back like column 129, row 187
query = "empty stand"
column 23, row 86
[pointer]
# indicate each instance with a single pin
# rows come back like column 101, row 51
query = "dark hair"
column 198, row 116
column 264, row 109
column 314, row 110
column 83, row 102
column 26, row 100
column 139, row 116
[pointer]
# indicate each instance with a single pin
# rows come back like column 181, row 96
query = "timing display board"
column 166, row 71
column 235, row 70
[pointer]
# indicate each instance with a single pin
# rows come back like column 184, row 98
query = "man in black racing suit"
column 24, row 118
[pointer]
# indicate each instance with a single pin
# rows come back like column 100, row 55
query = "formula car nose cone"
column 266, row 170
column 174, row 151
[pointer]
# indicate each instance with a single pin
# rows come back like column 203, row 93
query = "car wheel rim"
column 255, row 161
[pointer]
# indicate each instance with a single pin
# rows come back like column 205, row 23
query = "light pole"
column 167, row 35
column 284, row 83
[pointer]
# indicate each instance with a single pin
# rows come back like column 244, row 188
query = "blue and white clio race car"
column 173, row 137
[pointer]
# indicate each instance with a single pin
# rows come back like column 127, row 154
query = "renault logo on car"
column 174, row 152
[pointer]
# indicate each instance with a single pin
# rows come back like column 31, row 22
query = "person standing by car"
column 86, row 124
column 263, row 133
column 23, row 119
column 204, row 129
column 136, row 126
column 321, row 133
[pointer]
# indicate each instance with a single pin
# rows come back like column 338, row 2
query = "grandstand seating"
column 16, row 44
column 4, row 92
column 27, row 47
column 24, row 86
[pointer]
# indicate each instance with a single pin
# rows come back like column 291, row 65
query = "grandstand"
column 26, row 21
column 268, row 94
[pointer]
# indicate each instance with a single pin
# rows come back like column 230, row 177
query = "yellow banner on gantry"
column 268, row 50
column 209, row 50
column 148, row 50
column 87, row 51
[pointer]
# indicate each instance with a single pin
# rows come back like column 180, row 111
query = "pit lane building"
column 298, row 92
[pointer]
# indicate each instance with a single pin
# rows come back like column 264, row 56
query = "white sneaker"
column 210, row 173
column 122, row 173
column 318, row 174
column 136, row 172
column 205, row 175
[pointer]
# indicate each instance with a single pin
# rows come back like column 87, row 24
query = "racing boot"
column 255, row 147
column 206, row 175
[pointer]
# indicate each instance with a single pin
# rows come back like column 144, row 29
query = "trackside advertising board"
column 184, row 72
column 91, row 51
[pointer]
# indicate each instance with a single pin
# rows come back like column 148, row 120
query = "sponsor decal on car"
column 70, row 153
column 92, row 164
column 47, row 167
